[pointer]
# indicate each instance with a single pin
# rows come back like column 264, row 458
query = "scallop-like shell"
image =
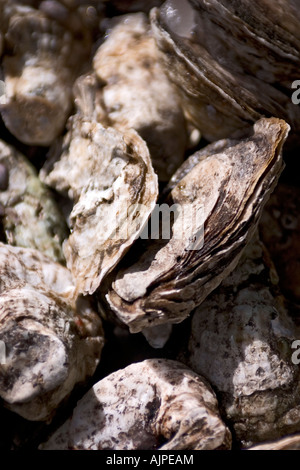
column 218, row 205
column 137, row 94
column 30, row 215
column 110, row 176
column 244, row 326
column 153, row 404
column 233, row 62
column 52, row 342
column 41, row 60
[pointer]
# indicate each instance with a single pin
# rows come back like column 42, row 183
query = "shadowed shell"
column 219, row 201
column 30, row 215
column 153, row 404
column 52, row 341
column 232, row 61
column 40, row 63
column 244, row 326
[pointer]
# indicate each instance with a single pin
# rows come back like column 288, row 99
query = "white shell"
column 136, row 93
column 152, row 404
column 110, row 176
column 52, row 341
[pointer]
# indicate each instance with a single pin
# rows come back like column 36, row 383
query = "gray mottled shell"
column 124, row 63
column 242, row 342
column 142, row 406
column 220, row 201
column 233, row 62
column 30, row 216
column 52, row 341
column 40, row 63
column 111, row 179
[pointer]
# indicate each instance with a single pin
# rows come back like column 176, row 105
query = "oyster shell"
column 156, row 403
column 218, row 202
column 41, row 60
column 124, row 63
column 52, row 341
column 110, row 176
column 30, row 216
column 287, row 443
column 233, row 61
column 244, row 326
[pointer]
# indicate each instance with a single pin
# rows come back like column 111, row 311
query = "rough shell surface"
column 52, row 341
column 244, row 326
column 40, row 62
column 233, row 61
column 152, row 404
column 218, row 205
column 30, row 216
column 111, row 179
column 124, row 63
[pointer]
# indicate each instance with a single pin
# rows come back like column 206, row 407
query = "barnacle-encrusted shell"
column 52, row 341
column 110, row 176
column 137, row 94
column 242, row 342
column 41, row 61
column 233, row 61
column 219, row 202
column 153, row 404
column 30, row 216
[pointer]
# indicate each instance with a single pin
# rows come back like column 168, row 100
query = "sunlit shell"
column 219, row 201
column 153, row 404
column 244, row 326
column 111, row 179
column 52, row 341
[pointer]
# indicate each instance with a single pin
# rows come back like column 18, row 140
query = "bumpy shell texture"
column 218, row 202
column 280, row 231
column 244, row 326
column 153, row 404
column 52, row 341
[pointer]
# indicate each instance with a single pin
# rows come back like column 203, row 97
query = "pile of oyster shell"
column 149, row 215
